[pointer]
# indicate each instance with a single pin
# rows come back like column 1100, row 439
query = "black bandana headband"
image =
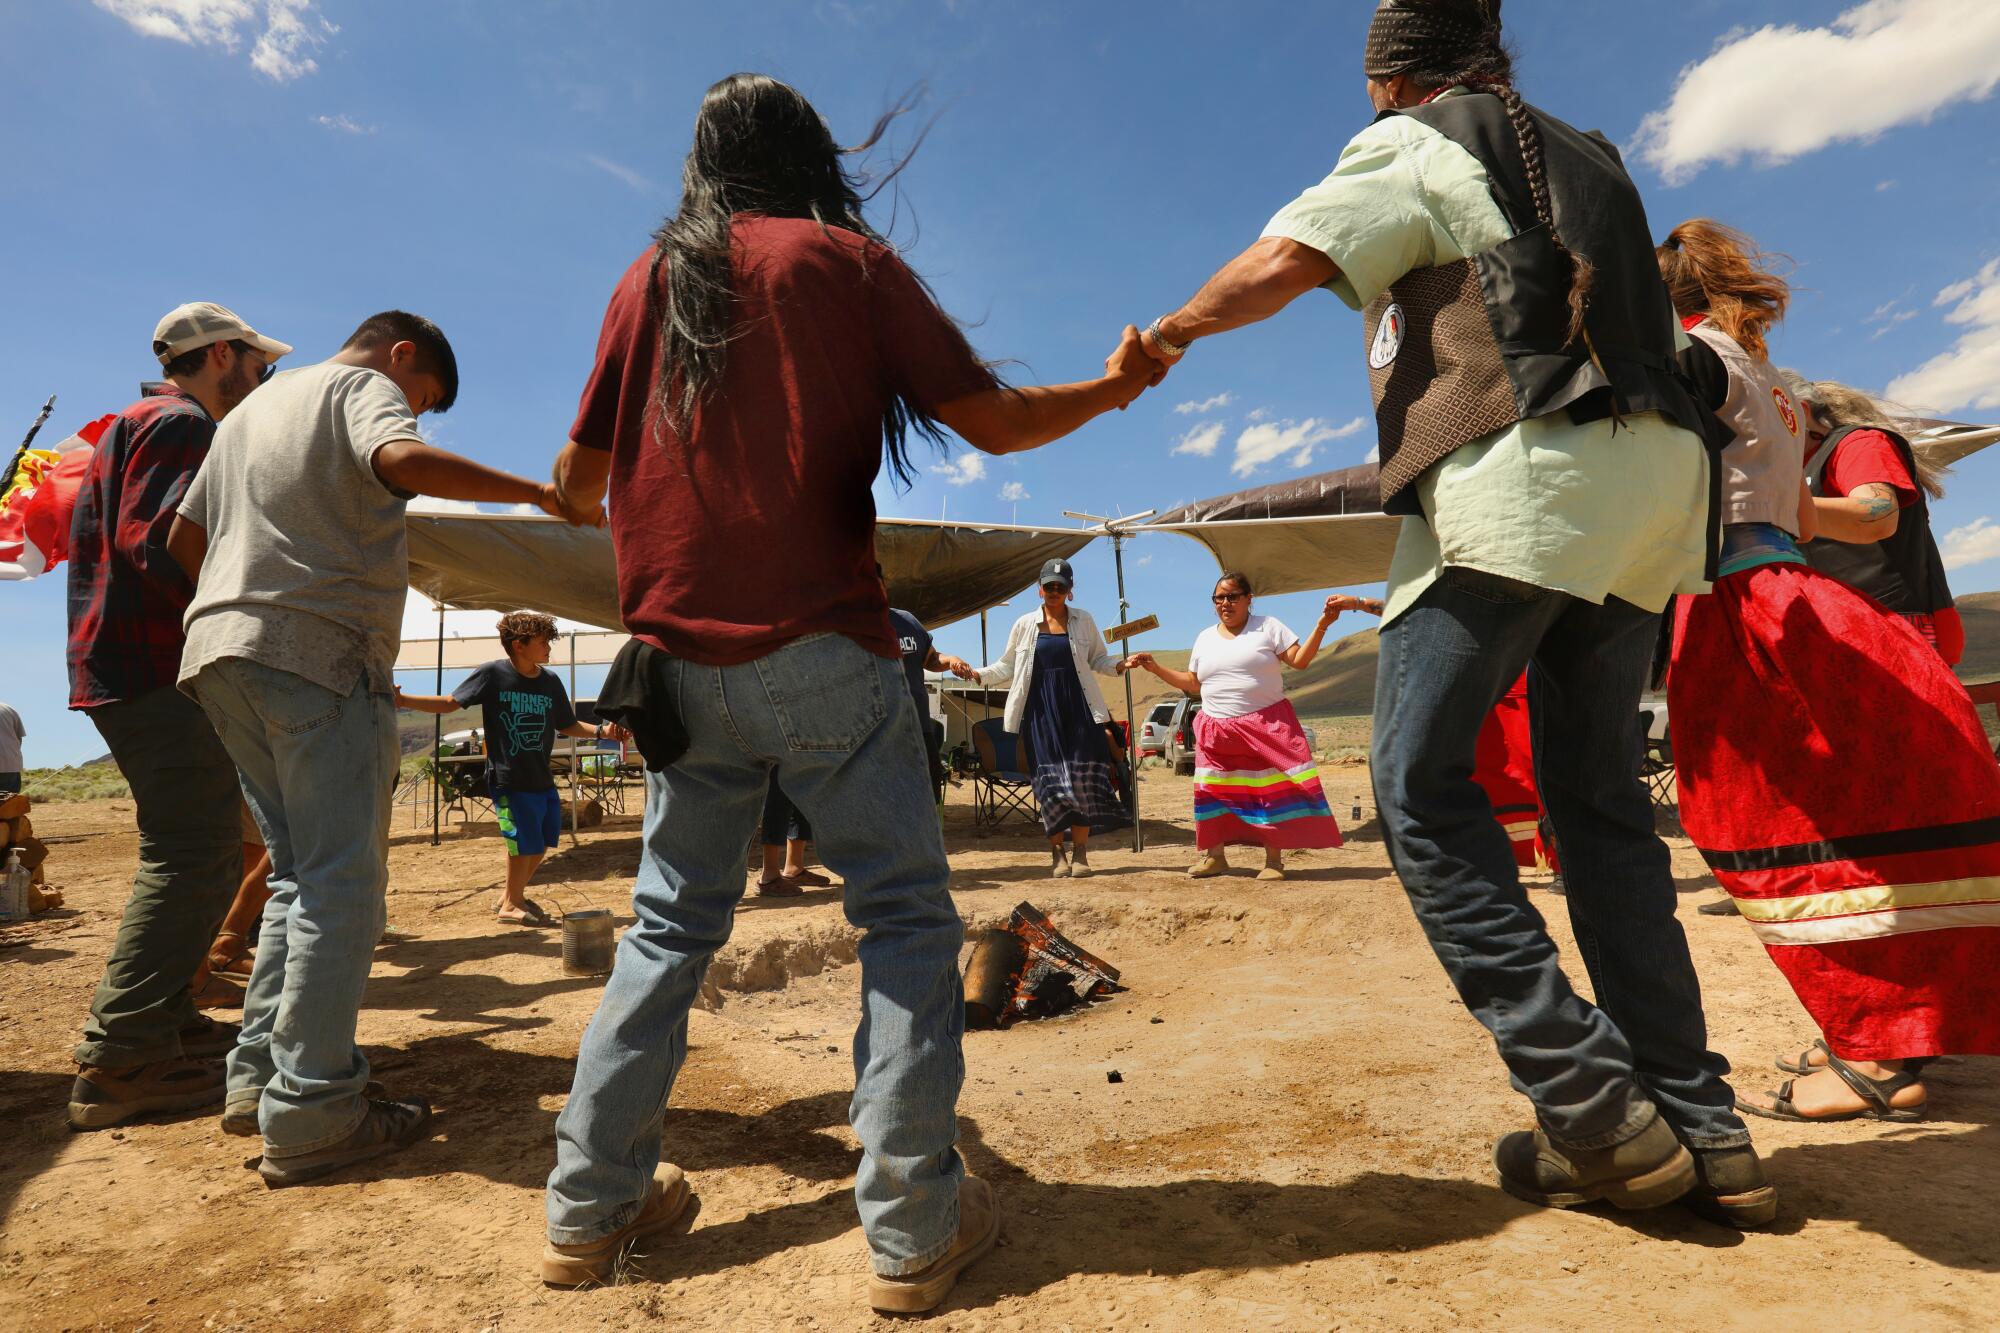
column 1404, row 34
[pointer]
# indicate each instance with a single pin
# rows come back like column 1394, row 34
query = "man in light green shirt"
column 1506, row 268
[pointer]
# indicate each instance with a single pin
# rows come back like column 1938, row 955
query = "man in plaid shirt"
column 145, row 1049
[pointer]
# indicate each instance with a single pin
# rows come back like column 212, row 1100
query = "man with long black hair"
column 756, row 364
column 1550, row 462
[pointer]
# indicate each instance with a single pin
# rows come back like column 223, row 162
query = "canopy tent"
column 937, row 571
column 462, row 652
column 1946, row 442
column 1322, row 531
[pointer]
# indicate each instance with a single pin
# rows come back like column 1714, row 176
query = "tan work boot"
column 925, row 1289
column 101, row 1098
column 1214, row 863
column 1648, row 1170
column 590, row 1261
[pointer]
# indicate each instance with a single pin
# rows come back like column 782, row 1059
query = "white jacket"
column 1017, row 664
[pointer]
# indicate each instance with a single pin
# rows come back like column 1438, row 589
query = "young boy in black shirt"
column 524, row 709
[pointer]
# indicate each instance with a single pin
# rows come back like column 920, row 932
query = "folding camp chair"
column 1656, row 762
column 999, row 787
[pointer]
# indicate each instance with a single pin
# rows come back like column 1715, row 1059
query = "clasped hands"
column 1137, row 363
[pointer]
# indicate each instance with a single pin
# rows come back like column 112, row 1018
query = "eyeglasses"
column 1225, row 598
column 265, row 371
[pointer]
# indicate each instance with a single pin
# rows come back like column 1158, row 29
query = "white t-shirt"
column 1243, row 674
column 308, row 569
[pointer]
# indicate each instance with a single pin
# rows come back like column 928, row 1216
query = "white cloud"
column 1883, row 187
column 634, row 179
column 1782, row 91
column 1293, row 441
column 1374, row 454
column 1202, row 441
column 1014, row 490
column 292, row 30
column 1968, row 375
column 1196, row 406
column 1145, row 560
column 1260, row 414
column 1977, row 541
column 1885, row 317
column 963, row 470
column 345, row 124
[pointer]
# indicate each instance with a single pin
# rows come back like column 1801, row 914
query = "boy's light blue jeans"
column 318, row 771
column 836, row 723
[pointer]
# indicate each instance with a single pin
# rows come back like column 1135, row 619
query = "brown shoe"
column 925, row 1289
column 806, row 879
column 206, row 1038
column 388, row 1126
column 778, row 888
column 589, row 1261
column 1648, row 1170
column 101, row 1098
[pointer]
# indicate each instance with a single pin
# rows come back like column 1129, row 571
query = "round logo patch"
column 1784, row 403
column 1388, row 337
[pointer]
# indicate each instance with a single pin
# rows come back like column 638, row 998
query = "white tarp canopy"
column 937, row 571
column 462, row 652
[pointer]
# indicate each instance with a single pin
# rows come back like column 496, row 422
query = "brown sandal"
column 1875, row 1092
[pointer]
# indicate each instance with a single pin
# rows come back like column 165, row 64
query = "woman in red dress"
column 1878, row 897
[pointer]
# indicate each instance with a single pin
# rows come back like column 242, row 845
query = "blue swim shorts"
column 530, row 821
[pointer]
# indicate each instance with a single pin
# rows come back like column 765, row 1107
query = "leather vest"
column 1464, row 349
column 1904, row 571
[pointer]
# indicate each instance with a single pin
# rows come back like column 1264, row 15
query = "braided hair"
column 1457, row 44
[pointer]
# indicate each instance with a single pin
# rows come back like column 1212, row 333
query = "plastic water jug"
column 14, row 888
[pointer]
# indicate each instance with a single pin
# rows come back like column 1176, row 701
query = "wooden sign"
column 1131, row 627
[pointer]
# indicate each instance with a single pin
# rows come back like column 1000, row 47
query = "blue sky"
column 495, row 166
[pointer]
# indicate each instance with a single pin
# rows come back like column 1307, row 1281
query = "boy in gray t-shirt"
column 293, row 533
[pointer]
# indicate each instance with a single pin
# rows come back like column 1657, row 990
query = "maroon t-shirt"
column 757, row 526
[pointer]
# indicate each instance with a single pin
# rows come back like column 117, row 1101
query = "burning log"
column 1031, row 970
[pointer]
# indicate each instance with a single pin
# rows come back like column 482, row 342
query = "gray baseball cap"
column 1057, row 571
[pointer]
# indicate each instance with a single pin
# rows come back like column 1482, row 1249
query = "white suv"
column 1158, row 728
column 1179, row 749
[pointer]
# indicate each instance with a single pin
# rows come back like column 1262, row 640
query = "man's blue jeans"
column 1593, row 1073
column 318, row 771
column 835, row 722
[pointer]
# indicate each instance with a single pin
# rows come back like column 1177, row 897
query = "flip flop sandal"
column 1875, row 1092
column 1804, row 1064
column 535, row 915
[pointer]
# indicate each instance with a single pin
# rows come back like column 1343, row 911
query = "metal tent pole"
column 437, row 734
column 1131, row 731
column 575, row 759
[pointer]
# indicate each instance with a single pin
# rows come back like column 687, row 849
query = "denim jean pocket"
column 294, row 705
column 1495, row 588
column 826, row 691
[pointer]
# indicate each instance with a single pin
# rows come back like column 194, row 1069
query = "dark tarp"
column 939, row 572
column 1322, row 531
column 1349, row 490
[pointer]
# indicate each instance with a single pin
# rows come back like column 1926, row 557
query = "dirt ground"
column 1301, row 1138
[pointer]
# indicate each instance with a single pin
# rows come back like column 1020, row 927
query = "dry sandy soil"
column 1300, row 1139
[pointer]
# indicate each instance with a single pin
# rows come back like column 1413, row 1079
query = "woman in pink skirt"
column 1255, row 780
